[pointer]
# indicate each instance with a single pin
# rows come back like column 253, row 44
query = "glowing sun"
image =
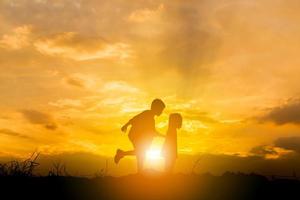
column 154, row 159
column 153, row 154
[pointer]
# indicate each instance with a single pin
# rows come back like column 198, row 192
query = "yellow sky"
column 73, row 71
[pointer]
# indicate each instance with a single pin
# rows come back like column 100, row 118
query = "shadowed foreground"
column 226, row 187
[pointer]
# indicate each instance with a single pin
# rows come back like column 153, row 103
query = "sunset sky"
column 72, row 72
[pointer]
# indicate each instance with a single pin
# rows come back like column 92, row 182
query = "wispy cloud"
column 13, row 133
column 284, row 114
column 74, row 46
column 146, row 14
column 18, row 38
column 37, row 117
column 75, row 81
column 61, row 103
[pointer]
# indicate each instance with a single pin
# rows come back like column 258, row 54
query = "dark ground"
column 205, row 187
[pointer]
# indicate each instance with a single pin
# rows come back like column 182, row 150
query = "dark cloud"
column 288, row 113
column 37, row 117
column 289, row 143
column 263, row 150
column 13, row 133
column 51, row 126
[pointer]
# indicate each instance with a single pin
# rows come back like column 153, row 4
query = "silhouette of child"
column 169, row 150
column 141, row 133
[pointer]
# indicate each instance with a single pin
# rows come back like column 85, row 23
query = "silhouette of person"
column 169, row 150
column 141, row 133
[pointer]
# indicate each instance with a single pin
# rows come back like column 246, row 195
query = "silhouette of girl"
column 169, row 150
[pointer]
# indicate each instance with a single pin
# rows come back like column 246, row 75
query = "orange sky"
column 73, row 71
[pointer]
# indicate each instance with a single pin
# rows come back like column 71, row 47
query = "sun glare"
column 154, row 159
column 153, row 154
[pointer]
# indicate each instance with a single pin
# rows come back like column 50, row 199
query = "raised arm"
column 130, row 122
column 157, row 134
column 125, row 126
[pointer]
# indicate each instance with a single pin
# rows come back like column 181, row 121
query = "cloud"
column 200, row 115
column 287, row 113
column 120, row 87
column 51, row 126
column 61, row 103
column 80, row 80
column 13, row 133
column 69, row 15
column 266, row 151
column 178, row 42
column 185, row 40
column 189, row 41
column 74, row 46
column 290, row 143
column 19, row 38
column 145, row 14
column 36, row 117
column 75, row 81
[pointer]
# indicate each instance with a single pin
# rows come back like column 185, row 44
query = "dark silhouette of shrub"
column 58, row 169
column 20, row 168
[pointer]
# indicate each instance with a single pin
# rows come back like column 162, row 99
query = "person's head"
column 157, row 106
column 175, row 120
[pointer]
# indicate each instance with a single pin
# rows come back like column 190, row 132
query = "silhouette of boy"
column 169, row 150
column 141, row 133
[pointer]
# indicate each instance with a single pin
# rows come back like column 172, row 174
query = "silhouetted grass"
column 229, row 186
column 58, row 169
column 20, row 168
column 17, row 181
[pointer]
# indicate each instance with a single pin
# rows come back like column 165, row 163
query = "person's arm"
column 156, row 133
column 125, row 126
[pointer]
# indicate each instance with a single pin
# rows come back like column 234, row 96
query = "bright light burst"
column 154, row 159
column 153, row 154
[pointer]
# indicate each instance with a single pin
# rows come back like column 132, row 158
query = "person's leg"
column 140, row 163
column 128, row 153
column 121, row 154
column 139, row 152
